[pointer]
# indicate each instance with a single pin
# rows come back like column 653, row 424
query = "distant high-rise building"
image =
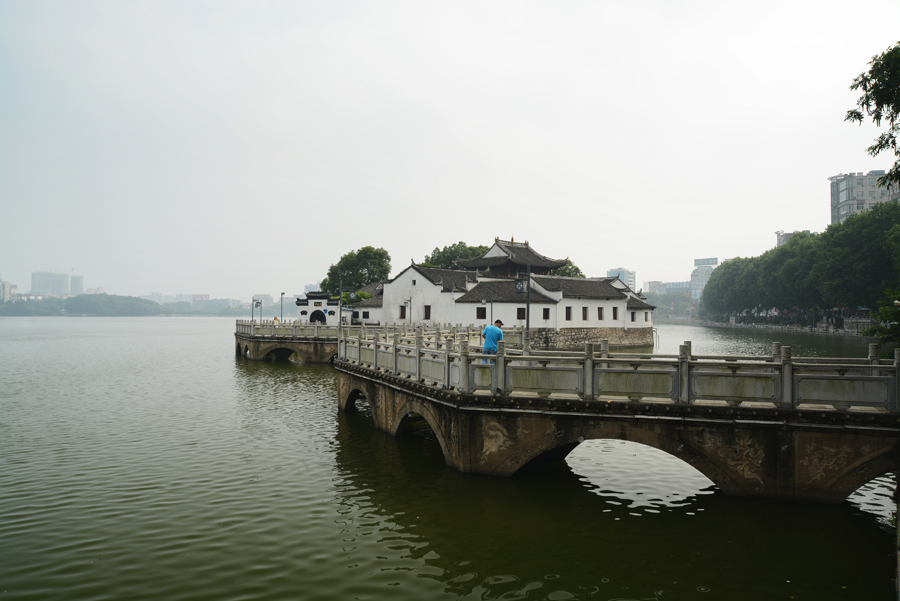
column 311, row 288
column 265, row 298
column 628, row 277
column 703, row 268
column 655, row 286
column 76, row 284
column 856, row 192
column 49, row 283
column 7, row 289
column 782, row 237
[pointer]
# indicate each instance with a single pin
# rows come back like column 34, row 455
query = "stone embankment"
column 795, row 329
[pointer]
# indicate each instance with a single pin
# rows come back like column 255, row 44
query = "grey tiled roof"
column 450, row 279
column 520, row 254
column 636, row 303
column 580, row 287
column 504, row 292
column 369, row 303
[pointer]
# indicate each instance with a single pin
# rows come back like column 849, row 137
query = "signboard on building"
column 699, row 262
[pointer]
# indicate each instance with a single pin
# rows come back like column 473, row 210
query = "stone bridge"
column 776, row 427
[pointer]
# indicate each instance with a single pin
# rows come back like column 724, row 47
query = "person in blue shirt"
column 492, row 335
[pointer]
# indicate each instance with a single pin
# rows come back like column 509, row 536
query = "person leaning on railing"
column 492, row 335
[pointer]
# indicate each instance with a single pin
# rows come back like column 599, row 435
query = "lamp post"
column 258, row 305
column 484, row 302
column 408, row 303
column 282, row 306
column 525, row 286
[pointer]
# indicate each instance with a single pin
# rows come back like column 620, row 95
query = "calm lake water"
column 139, row 459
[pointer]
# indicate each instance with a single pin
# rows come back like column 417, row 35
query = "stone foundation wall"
column 574, row 338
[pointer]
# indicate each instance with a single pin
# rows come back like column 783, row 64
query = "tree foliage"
column 848, row 265
column 447, row 257
column 670, row 304
column 358, row 268
column 570, row 270
column 105, row 305
column 880, row 100
column 888, row 315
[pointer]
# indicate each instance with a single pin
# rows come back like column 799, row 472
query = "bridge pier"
column 784, row 454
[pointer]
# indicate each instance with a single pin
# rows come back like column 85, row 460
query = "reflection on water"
column 145, row 462
column 757, row 342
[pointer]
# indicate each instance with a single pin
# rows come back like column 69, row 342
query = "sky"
column 237, row 148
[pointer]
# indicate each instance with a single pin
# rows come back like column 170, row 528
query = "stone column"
column 464, row 386
column 589, row 393
column 787, row 378
column 499, row 375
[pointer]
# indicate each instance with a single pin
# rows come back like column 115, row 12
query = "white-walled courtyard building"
column 565, row 312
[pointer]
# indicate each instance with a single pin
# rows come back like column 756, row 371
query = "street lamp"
column 258, row 305
column 282, row 306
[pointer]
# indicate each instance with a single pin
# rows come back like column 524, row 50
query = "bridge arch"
column 855, row 476
column 279, row 353
column 412, row 407
column 558, row 443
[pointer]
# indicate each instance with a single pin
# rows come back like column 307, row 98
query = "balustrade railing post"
column 395, row 352
column 787, row 378
column 418, row 343
column 375, row 336
column 873, row 358
column 464, row 368
column 776, row 351
column 604, row 353
column 589, row 394
column 499, row 375
column 448, row 348
column 684, row 373
column 895, row 402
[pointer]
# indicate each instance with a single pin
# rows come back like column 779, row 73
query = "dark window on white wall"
column 632, row 315
column 546, row 313
column 615, row 313
column 480, row 312
column 520, row 313
column 365, row 315
column 427, row 311
column 402, row 312
column 568, row 313
column 600, row 313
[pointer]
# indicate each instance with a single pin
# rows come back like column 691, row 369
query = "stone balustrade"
column 445, row 360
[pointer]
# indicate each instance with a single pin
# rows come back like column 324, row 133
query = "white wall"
column 422, row 293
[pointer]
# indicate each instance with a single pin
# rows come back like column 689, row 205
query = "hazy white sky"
column 233, row 148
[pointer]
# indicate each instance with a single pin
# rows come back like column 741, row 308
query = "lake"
column 139, row 459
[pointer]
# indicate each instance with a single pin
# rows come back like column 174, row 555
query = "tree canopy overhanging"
column 358, row 268
column 880, row 100
column 447, row 257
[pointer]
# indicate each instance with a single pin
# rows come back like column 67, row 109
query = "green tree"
column 357, row 269
column 888, row 330
column 570, row 270
column 856, row 260
column 447, row 257
column 880, row 100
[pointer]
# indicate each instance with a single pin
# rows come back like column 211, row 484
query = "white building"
column 856, row 192
column 626, row 275
column 564, row 312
